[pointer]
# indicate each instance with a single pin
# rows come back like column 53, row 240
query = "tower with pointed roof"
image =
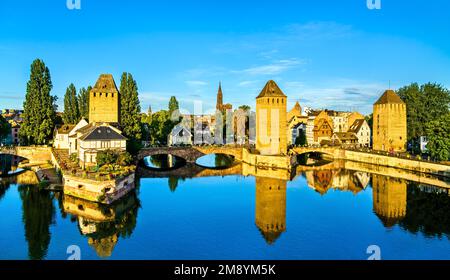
column 271, row 123
column 219, row 98
column 389, row 123
column 104, row 100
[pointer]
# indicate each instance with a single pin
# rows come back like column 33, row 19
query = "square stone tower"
column 271, row 123
column 104, row 101
column 389, row 123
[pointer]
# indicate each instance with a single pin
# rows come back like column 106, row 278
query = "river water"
column 319, row 214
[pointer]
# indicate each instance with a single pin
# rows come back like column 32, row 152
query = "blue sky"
column 323, row 53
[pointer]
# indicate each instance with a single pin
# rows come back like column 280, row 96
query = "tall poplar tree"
column 83, row 102
column 174, row 109
column 39, row 106
column 130, row 110
column 71, row 110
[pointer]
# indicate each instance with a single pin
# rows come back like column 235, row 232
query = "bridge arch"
column 191, row 154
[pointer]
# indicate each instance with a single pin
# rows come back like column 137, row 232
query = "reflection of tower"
column 389, row 199
column 270, row 207
column 103, row 224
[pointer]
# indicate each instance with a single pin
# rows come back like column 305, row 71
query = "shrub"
column 124, row 159
column 106, row 157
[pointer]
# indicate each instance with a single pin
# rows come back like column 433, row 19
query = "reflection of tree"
column 38, row 215
column 164, row 161
column 4, row 186
column 5, row 164
column 428, row 212
column 173, row 183
column 222, row 160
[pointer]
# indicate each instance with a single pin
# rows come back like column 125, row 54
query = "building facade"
column 271, row 123
column 389, row 123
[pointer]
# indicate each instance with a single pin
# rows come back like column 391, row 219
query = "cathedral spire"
column 219, row 104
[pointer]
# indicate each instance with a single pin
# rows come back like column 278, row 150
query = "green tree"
column 245, row 107
column 5, row 129
column 160, row 127
column 39, row 106
column 438, row 132
column 174, row 109
column 130, row 109
column 106, row 157
column 71, row 109
column 83, row 102
column 369, row 120
column 424, row 104
column 301, row 138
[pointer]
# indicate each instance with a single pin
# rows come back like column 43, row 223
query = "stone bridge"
column 191, row 154
column 334, row 152
column 38, row 154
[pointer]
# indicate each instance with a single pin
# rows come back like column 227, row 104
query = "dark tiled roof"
column 389, row 97
column 271, row 89
column 102, row 133
column 346, row 136
column 356, row 126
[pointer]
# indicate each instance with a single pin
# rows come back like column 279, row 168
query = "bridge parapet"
column 191, row 154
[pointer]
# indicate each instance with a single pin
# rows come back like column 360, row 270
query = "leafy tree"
column 244, row 107
column 124, row 159
column 424, row 104
column 39, row 106
column 71, row 109
column 301, row 139
column 369, row 120
column 174, row 109
column 83, row 102
column 160, row 127
column 438, row 132
column 5, row 128
column 130, row 111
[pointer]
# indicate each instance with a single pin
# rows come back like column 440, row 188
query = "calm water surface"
column 326, row 214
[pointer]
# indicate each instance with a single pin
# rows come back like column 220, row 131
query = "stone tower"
column 389, row 123
column 270, row 207
column 104, row 101
column 389, row 199
column 219, row 103
column 271, row 124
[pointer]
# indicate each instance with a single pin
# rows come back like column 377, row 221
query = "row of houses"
column 328, row 127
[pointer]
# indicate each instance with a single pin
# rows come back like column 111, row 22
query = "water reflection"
column 400, row 205
column 163, row 162
column 9, row 165
column 104, row 225
column 216, row 161
column 38, row 214
column 270, row 207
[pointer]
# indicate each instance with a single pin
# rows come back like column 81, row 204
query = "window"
column 95, row 94
column 106, row 95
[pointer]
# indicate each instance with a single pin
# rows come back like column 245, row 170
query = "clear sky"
column 323, row 53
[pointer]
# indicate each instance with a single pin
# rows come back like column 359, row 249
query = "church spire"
column 219, row 104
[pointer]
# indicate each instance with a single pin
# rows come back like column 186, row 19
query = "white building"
column 362, row 130
column 180, row 135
